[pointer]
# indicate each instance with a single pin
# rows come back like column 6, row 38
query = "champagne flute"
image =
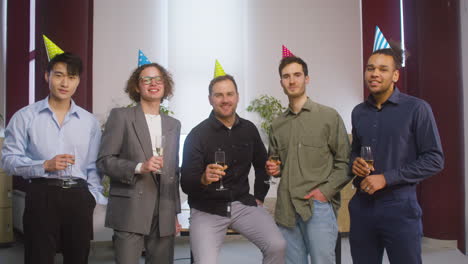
column 276, row 159
column 158, row 150
column 71, row 150
column 220, row 159
column 366, row 155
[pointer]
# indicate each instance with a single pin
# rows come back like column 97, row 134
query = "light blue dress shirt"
column 34, row 135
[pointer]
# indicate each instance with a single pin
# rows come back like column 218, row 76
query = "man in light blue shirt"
column 53, row 144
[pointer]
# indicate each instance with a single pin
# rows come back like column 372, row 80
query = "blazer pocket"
column 121, row 192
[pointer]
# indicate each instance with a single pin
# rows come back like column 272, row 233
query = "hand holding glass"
column 366, row 155
column 276, row 159
column 69, row 170
column 220, row 159
column 158, row 149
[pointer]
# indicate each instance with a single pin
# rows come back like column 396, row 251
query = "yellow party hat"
column 52, row 49
column 218, row 70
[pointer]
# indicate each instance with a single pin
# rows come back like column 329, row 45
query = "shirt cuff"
column 38, row 169
column 327, row 191
column 391, row 177
column 138, row 168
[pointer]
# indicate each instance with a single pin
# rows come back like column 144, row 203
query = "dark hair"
column 288, row 60
column 220, row 79
column 133, row 81
column 73, row 62
column 395, row 51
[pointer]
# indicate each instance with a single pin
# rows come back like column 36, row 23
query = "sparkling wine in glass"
column 220, row 159
column 366, row 155
column 158, row 149
column 276, row 159
column 70, row 150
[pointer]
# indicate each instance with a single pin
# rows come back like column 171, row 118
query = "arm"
column 430, row 157
column 196, row 175
column 109, row 160
column 259, row 160
column 338, row 143
column 94, row 178
column 272, row 168
column 15, row 159
column 355, row 147
column 193, row 166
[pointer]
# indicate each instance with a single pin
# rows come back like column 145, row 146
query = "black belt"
column 78, row 182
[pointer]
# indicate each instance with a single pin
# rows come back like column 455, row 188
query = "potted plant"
column 268, row 107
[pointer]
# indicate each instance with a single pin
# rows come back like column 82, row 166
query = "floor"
column 238, row 250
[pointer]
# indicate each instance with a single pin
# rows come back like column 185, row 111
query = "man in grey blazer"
column 144, row 188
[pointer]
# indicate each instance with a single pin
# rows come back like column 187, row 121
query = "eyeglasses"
column 149, row 79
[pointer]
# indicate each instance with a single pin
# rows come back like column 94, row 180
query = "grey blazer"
column 132, row 197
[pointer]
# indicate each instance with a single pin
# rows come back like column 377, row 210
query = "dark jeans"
column 392, row 221
column 57, row 219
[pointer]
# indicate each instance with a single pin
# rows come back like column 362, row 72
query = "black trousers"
column 57, row 219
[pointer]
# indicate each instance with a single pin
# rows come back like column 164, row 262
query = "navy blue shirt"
column 404, row 139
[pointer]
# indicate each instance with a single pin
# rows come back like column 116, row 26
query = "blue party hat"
column 379, row 41
column 142, row 59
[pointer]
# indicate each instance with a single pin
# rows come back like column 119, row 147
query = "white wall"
column 245, row 36
column 464, row 43
column 121, row 28
column 326, row 34
column 199, row 33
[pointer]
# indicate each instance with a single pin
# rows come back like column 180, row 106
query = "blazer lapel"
column 142, row 131
column 166, row 129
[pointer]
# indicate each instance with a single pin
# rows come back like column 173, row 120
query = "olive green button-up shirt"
column 314, row 149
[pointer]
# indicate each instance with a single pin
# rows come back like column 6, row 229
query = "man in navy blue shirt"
column 406, row 148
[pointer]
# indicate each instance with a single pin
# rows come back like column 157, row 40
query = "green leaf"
column 268, row 107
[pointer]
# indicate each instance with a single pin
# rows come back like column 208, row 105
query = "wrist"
column 44, row 165
column 203, row 180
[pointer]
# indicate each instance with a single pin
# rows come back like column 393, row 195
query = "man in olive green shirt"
column 313, row 146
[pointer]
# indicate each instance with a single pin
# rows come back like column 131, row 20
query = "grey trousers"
column 128, row 246
column 207, row 233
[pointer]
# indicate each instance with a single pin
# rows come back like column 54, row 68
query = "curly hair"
column 396, row 52
column 133, row 81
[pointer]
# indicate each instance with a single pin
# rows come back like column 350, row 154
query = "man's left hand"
column 317, row 195
column 373, row 183
column 259, row 203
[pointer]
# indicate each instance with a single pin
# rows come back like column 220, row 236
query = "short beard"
column 293, row 96
column 383, row 91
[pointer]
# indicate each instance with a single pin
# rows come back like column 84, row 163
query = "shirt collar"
column 309, row 106
column 218, row 124
column 394, row 98
column 44, row 105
